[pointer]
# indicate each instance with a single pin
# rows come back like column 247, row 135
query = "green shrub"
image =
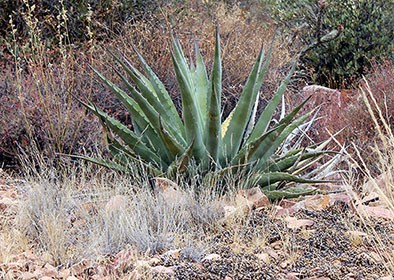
column 82, row 17
column 166, row 144
column 368, row 32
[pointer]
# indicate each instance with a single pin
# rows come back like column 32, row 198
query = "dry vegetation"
column 61, row 218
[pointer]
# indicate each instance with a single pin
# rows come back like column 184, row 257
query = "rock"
column 162, row 270
column 284, row 264
column 80, row 267
column 71, row 278
column 257, row 197
column 294, row 223
column 264, row 257
column 293, row 276
column 356, row 237
column 331, row 105
column 170, row 193
column 50, row 271
column 212, row 257
column 243, row 204
column 376, row 212
column 6, row 203
column 387, row 278
column 154, row 261
column 141, row 263
column 116, row 203
column 175, row 254
column 317, row 202
column 26, row 276
column 64, row 273
column 277, row 245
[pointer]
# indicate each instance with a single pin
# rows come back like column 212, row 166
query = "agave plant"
column 165, row 143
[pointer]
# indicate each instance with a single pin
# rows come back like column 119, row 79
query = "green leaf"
column 214, row 119
column 266, row 116
column 266, row 179
column 289, row 193
column 201, row 83
column 270, row 145
column 236, row 128
column 128, row 136
column 179, row 165
column 190, row 114
column 289, row 161
column 248, row 150
column 154, row 92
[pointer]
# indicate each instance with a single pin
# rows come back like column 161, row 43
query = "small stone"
column 141, row 264
column 294, row 223
column 163, row 270
column 272, row 254
column 284, row 264
column 71, row 278
column 277, row 245
column 175, row 254
column 26, row 276
column 64, row 273
column 50, row 271
column 293, row 276
column 264, row 257
column 212, row 257
column 153, row 261
column 257, row 197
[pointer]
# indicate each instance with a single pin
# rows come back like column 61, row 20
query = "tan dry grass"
column 381, row 187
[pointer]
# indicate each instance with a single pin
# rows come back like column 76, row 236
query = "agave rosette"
column 165, row 143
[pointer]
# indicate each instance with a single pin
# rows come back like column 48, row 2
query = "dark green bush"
column 104, row 17
column 368, row 32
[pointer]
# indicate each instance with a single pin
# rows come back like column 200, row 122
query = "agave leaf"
column 128, row 136
column 214, row 137
column 290, row 192
column 179, row 165
column 180, row 58
column 136, row 113
column 252, row 120
column 268, row 147
column 172, row 145
column 148, row 92
column 162, row 93
column 248, row 150
column 151, row 114
column 190, row 114
column 105, row 163
column 236, row 128
column 201, row 83
column 266, row 116
column 266, row 179
column 263, row 156
column 290, row 161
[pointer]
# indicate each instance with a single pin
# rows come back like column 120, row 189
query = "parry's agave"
column 165, row 143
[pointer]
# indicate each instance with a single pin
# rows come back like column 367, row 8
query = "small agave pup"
column 165, row 143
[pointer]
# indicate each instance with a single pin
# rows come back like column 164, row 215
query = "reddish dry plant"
column 359, row 127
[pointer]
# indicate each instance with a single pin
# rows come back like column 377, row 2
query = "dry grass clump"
column 356, row 120
column 85, row 212
column 376, row 193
